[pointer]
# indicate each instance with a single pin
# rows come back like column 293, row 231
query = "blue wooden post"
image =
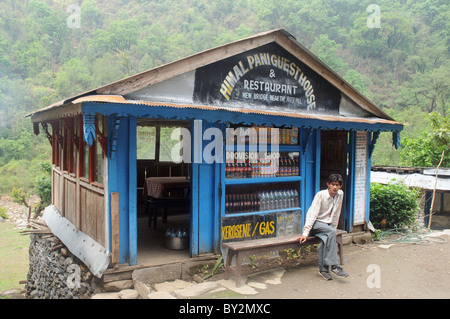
column 132, row 189
column 195, row 157
column 122, row 179
column 350, row 187
column 369, row 164
column 317, row 153
column 311, row 171
column 206, row 180
column 219, row 199
column 122, row 186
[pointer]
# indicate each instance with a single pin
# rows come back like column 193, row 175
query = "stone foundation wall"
column 55, row 273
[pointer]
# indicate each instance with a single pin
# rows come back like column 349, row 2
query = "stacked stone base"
column 55, row 273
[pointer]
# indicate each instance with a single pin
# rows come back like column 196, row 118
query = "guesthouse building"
column 227, row 144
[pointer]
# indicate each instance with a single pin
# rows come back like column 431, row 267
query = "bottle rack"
column 255, row 185
column 262, row 201
column 282, row 166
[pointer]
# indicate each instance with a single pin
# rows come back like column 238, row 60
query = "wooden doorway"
column 333, row 160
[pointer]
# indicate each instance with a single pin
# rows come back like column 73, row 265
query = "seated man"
column 321, row 221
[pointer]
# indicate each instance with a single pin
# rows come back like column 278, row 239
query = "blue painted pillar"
column 370, row 147
column 350, row 187
column 310, row 168
column 122, row 179
column 132, row 190
column 206, row 180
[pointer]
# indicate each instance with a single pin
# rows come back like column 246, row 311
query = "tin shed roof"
column 118, row 104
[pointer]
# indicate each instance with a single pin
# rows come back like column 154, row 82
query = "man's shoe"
column 325, row 275
column 338, row 271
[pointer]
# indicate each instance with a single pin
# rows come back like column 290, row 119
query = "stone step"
column 361, row 237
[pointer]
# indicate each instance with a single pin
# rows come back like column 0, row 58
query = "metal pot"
column 177, row 243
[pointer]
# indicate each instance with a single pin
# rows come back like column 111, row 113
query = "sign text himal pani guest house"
column 268, row 78
column 270, row 89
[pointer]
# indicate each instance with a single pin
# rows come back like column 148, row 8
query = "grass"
column 13, row 257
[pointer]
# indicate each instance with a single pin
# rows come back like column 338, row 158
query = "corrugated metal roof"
column 329, row 118
column 412, row 180
column 117, row 99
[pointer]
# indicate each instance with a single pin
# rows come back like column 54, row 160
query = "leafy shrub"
column 392, row 205
column 4, row 212
column 44, row 183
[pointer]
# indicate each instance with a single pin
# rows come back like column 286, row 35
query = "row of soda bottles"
column 268, row 135
column 286, row 166
column 261, row 201
column 176, row 232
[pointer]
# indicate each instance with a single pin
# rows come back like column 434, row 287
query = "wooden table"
column 159, row 187
column 165, row 192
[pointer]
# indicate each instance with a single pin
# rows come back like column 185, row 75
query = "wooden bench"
column 243, row 249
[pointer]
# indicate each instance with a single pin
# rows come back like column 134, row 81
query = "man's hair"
column 335, row 178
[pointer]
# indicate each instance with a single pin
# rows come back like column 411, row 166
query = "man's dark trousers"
column 328, row 248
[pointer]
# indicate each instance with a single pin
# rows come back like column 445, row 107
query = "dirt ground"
column 398, row 271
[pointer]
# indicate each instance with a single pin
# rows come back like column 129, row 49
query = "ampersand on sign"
column 272, row 73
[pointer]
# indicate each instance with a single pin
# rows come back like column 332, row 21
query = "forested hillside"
column 50, row 50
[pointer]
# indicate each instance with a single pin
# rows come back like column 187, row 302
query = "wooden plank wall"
column 56, row 200
column 81, row 203
column 70, row 199
column 92, row 213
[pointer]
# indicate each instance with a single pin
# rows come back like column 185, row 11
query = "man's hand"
column 301, row 239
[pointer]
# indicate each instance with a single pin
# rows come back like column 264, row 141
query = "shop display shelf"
column 263, row 212
column 262, row 180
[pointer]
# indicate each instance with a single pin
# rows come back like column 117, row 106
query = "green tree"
column 92, row 18
column 30, row 58
column 326, row 50
column 118, row 37
column 4, row 53
column 72, row 78
column 395, row 32
column 106, row 69
column 431, row 89
column 21, row 197
column 426, row 150
column 358, row 81
column 146, row 63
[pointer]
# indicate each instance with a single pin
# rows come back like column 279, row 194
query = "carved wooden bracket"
column 373, row 140
column 70, row 124
column 101, row 138
column 47, row 133
column 55, row 130
column 396, row 139
column 36, row 128
column 89, row 128
column 306, row 139
column 114, row 136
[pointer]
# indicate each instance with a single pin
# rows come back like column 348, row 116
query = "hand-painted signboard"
column 360, row 178
column 268, row 76
column 248, row 227
column 289, row 223
column 261, row 226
